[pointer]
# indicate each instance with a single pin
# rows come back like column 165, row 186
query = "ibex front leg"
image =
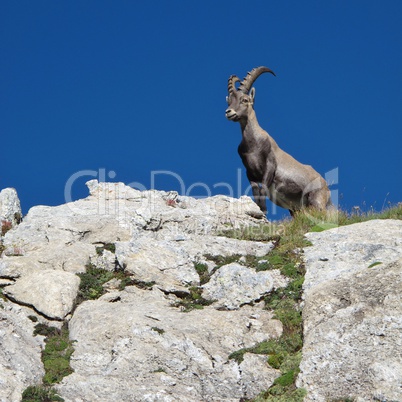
column 260, row 195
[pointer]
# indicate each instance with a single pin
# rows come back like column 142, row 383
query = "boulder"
column 51, row 293
column 235, row 285
column 353, row 313
column 10, row 209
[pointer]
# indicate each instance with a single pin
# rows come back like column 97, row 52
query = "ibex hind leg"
column 319, row 199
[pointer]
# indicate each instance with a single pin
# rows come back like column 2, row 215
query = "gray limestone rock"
column 138, row 345
column 353, row 314
column 20, row 353
column 256, row 372
column 170, row 263
column 349, row 249
column 134, row 344
column 105, row 260
column 235, row 285
column 10, row 207
column 49, row 292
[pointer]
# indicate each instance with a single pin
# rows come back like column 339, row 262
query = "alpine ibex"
column 271, row 171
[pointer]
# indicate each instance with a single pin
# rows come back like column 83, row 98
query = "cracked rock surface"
column 353, row 313
column 137, row 344
column 140, row 345
column 20, row 352
column 50, row 292
column 235, row 285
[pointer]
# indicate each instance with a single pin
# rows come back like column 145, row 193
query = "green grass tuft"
column 262, row 232
column 56, row 362
column 57, row 353
column 160, row 331
column 284, row 353
column 203, row 272
column 193, row 300
column 40, row 394
column 92, row 281
column 107, row 246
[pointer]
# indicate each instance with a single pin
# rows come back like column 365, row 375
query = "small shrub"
column 45, row 330
column 193, row 300
column 221, row 260
column 57, row 353
column 202, row 271
column 92, row 281
column 160, row 331
column 40, row 394
column 286, row 379
column 106, row 246
column 127, row 280
column 281, row 394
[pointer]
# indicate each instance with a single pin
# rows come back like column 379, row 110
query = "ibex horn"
column 231, row 84
column 251, row 77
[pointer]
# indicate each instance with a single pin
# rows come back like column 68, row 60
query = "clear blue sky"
column 134, row 87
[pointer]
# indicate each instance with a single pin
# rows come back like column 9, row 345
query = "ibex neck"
column 250, row 125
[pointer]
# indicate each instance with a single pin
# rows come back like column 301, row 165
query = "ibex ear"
column 252, row 93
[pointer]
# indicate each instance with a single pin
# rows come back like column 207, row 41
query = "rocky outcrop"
column 137, row 343
column 353, row 313
column 143, row 341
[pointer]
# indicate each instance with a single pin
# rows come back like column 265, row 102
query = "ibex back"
column 272, row 172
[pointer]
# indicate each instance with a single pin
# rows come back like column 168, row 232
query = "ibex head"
column 241, row 99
